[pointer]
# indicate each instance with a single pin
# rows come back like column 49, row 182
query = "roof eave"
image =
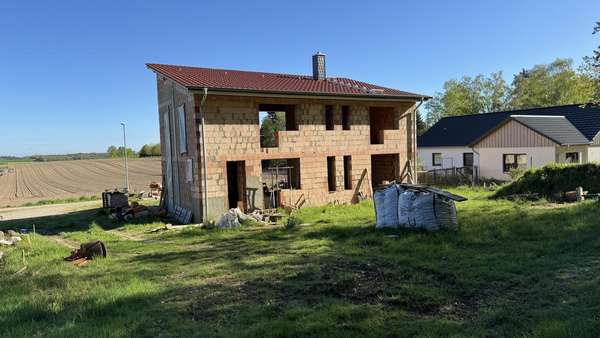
column 277, row 93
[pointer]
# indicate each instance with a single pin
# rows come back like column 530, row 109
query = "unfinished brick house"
column 337, row 130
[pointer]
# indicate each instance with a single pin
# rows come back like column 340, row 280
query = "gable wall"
column 184, row 194
column 514, row 134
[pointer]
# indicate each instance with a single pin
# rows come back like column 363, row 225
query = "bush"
column 553, row 180
column 515, row 174
column 292, row 222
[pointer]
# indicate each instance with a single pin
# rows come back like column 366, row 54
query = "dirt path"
column 46, row 210
column 63, row 241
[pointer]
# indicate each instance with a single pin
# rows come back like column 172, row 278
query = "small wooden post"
column 580, row 196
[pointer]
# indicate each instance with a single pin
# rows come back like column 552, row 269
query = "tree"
column 550, row 85
column 591, row 67
column 130, row 152
column 468, row 96
column 155, row 149
column 421, row 126
column 541, row 86
column 118, row 152
column 145, row 151
column 273, row 122
column 111, row 150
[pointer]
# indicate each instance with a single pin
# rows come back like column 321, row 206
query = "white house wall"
column 594, row 154
column 490, row 159
column 451, row 156
column 563, row 150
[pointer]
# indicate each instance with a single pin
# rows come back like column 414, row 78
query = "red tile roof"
column 236, row 80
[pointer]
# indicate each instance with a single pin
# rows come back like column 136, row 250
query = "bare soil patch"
column 35, row 181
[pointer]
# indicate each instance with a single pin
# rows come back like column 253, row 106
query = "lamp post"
column 125, row 155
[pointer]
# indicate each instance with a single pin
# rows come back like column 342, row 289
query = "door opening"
column 236, row 184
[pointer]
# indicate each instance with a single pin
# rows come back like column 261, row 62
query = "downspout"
column 204, row 166
column 414, row 143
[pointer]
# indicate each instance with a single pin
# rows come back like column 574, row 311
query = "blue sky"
column 73, row 70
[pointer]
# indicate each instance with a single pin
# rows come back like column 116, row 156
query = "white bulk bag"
column 405, row 209
column 386, row 207
column 425, row 213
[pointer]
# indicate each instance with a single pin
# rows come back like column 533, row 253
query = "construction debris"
column 231, row 219
column 10, row 237
column 135, row 211
column 87, row 251
column 170, row 226
column 234, row 218
column 182, row 215
column 155, row 190
column 577, row 195
column 115, row 199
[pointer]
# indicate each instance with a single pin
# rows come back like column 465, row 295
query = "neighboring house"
column 335, row 128
column 499, row 142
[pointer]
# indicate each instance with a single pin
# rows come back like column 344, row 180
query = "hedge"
column 553, row 180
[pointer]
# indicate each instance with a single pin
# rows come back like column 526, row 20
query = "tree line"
column 146, row 150
column 557, row 83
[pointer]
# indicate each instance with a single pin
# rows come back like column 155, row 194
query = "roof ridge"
column 335, row 80
column 559, row 116
column 514, row 110
column 229, row 70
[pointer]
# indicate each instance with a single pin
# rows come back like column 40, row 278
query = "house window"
column 436, row 159
column 347, row 172
column 329, row 125
column 572, row 157
column 467, row 159
column 182, row 130
column 380, row 120
column 281, row 173
column 513, row 161
column 274, row 118
column 331, row 173
column 346, row 117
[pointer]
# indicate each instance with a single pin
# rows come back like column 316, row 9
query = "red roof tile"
column 194, row 77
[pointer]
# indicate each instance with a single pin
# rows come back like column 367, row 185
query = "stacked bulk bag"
column 405, row 209
column 426, row 210
column 378, row 199
column 386, row 207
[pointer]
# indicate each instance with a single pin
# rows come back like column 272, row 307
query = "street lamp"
column 125, row 155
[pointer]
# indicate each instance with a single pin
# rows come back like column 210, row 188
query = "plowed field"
column 36, row 181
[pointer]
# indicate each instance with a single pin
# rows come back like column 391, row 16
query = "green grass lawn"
column 512, row 269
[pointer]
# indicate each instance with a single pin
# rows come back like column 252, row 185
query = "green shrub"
column 515, row 174
column 552, row 180
column 292, row 222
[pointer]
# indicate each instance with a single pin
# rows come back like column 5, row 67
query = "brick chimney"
column 318, row 63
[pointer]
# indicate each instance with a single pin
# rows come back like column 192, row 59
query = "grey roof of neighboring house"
column 459, row 131
column 556, row 128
